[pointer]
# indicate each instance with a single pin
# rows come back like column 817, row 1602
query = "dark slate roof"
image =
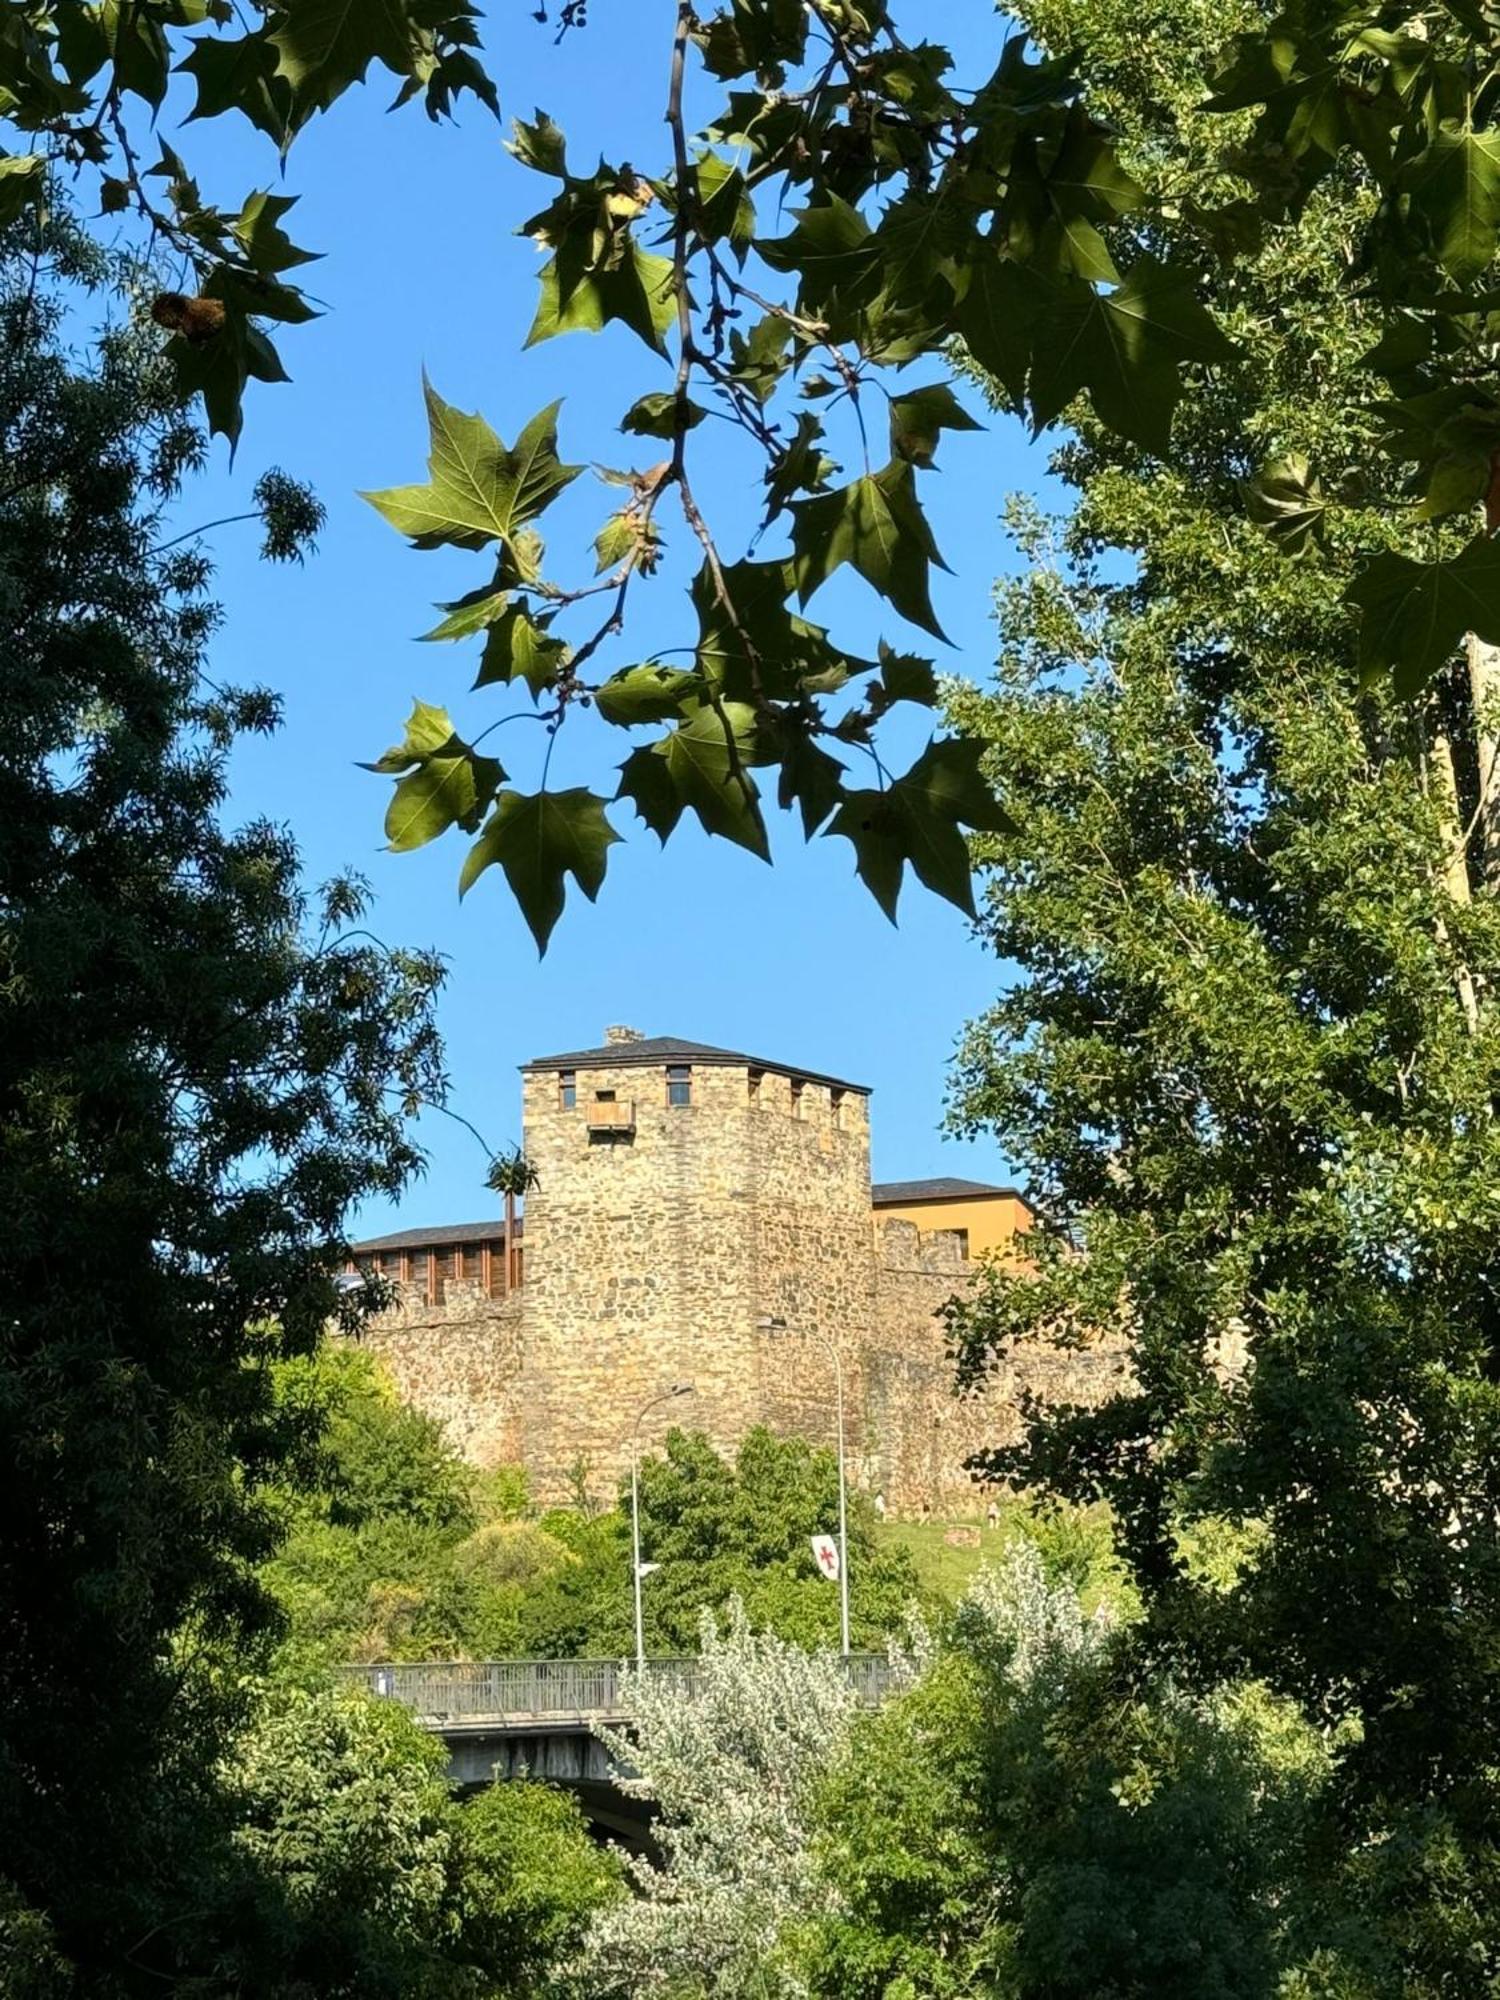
column 653, row 1050
column 441, row 1237
column 885, row 1194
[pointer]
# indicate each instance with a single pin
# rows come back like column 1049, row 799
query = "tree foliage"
column 920, row 206
column 1249, row 1048
column 730, row 1768
column 996, row 211
column 203, row 1067
column 1406, row 100
column 399, row 1551
column 1034, row 1817
column 359, row 1873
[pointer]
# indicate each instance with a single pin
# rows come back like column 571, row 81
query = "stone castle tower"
column 684, row 1195
column 706, row 1216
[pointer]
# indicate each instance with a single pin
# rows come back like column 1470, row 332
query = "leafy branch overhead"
column 1405, row 101
column 915, row 210
column 916, row 215
column 909, row 207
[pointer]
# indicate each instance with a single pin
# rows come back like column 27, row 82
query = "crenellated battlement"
column 902, row 1246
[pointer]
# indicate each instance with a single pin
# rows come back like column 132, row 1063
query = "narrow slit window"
column 755, row 1081
column 679, row 1084
column 798, row 1090
column 836, row 1105
column 567, row 1089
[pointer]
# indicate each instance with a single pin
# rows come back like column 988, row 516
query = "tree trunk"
column 1484, row 697
column 1455, row 859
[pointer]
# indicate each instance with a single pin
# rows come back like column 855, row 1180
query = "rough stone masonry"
column 705, row 1216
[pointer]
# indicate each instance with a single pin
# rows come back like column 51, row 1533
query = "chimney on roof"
column 614, row 1036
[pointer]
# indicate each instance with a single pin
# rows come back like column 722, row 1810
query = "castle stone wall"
column 919, row 1431
column 460, row 1361
column 640, row 1269
column 658, row 1248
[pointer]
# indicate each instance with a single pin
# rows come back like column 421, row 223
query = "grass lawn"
column 1075, row 1544
column 940, row 1568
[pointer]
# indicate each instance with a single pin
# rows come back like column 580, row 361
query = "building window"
column 754, row 1080
column 679, row 1084
column 836, row 1105
column 798, row 1088
column 567, row 1089
column 604, row 1097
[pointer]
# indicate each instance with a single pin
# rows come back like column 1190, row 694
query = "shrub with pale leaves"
column 730, row 1760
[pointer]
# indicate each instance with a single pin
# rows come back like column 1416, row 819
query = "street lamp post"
column 779, row 1326
column 677, row 1389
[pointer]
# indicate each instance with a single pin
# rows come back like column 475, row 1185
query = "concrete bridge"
column 536, row 1719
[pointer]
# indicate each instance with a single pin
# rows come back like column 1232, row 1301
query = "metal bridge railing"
column 514, row 1693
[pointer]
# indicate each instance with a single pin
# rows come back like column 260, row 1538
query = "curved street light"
column 776, row 1326
column 677, row 1389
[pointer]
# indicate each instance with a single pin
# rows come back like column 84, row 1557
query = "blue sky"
column 422, row 267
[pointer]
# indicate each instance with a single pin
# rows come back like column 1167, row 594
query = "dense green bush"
column 399, row 1551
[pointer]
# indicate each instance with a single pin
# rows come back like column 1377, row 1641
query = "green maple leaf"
column 695, row 767
column 1125, row 348
column 427, row 729
column 919, row 416
column 323, row 46
column 1454, row 185
column 20, row 183
column 240, row 76
column 217, row 369
column 917, row 820
column 764, row 649
column 1415, row 613
column 540, row 145
column 648, row 693
column 801, row 466
column 257, row 229
column 479, row 489
column 451, row 787
column 922, row 241
column 1286, row 498
column 445, row 77
column 129, row 37
column 997, row 316
column 1298, row 83
column 807, row 777
column 636, row 289
column 539, row 840
column 472, row 613
column 656, row 415
column 877, row 525
column 904, row 677
column 829, row 249
column 724, row 205
column 446, row 782
column 518, row 648
column 1086, row 178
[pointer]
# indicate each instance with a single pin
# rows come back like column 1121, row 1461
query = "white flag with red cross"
column 826, row 1555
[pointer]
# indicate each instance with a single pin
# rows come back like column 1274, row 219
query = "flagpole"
column 635, row 1551
column 838, row 1376
column 677, row 1389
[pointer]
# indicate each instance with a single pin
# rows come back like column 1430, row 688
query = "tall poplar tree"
column 1250, row 1051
